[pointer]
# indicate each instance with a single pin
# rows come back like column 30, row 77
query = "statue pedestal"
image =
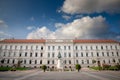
column 59, row 64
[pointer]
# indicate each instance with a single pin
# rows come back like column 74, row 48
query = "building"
column 36, row 52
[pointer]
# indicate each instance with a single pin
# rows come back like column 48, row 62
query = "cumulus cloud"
column 85, row 27
column 3, row 30
column 30, row 27
column 66, row 17
column 91, row 6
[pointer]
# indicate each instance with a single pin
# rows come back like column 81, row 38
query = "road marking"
column 26, row 76
column 95, row 76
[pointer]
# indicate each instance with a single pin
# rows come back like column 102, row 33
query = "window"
column 96, row 47
column 117, row 53
column 52, row 61
column 36, row 54
column 76, row 54
column 81, row 48
column 53, row 54
column 35, row 61
column 48, row 54
column 92, row 54
column 86, row 54
column 115, row 47
column 41, row 47
column 112, row 54
column 106, row 47
column 97, row 54
column 81, row 54
column 31, row 47
column 59, row 47
column 82, row 62
column 13, row 61
column 77, row 62
column 86, row 47
column 20, row 47
column 102, row 47
column 69, row 47
column 109, row 61
column 10, row 46
column 9, row 54
column 107, row 53
column 102, row 53
column 20, row 55
column 41, row 54
column 69, row 61
column 40, row 61
column 48, row 62
column 69, row 54
column 4, row 54
column 111, row 47
column 64, row 54
column 8, row 61
column 53, row 47
column 24, row 61
column 30, row 62
column 14, row 54
column 76, row 48
column 103, row 61
column 26, row 47
column 15, row 47
column 48, row 47
column 25, row 54
column 30, row 54
column 91, row 48
column 87, row 61
column 5, row 46
column 36, row 47
column 64, row 47
column 65, row 61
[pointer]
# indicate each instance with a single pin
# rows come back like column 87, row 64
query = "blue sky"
column 35, row 19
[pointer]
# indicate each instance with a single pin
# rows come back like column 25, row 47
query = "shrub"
column 113, row 68
column 118, row 66
column 78, row 67
column 96, row 68
column 5, row 68
column 106, row 66
column 44, row 67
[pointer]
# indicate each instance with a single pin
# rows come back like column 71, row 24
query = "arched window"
column 48, row 62
column 40, row 61
column 30, row 62
column 25, row 54
column 52, row 61
column 65, row 61
column 30, row 54
column 24, row 61
column 76, row 54
column 48, row 54
column 77, row 62
column 35, row 61
column 69, row 61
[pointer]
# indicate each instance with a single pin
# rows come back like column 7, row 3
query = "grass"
column 5, row 68
column 96, row 68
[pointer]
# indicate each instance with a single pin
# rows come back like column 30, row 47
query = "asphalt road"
column 40, row 75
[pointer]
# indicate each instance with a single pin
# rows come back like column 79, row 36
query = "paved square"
column 40, row 75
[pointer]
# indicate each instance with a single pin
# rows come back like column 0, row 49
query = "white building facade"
column 35, row 52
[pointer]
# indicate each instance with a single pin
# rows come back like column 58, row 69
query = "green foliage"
column 5, row 68
column 78, row 67
column 44, row 67
column 118, row 66
column 113, row 68
column 106, row 66
column 93, row 61
column 96, row 68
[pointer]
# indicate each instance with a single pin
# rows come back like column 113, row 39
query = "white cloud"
column 3, row 30
column 30, row 27
column 66, row 17
column 91, row 6
column 3, row 25
column 85, row 27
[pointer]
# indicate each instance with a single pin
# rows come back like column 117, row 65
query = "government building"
column 38, row 52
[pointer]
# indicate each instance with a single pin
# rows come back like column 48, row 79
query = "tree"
column 44, row 67
column 78, row 67
column 2, row 61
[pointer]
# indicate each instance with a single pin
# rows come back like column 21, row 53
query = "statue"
column 59, row 62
